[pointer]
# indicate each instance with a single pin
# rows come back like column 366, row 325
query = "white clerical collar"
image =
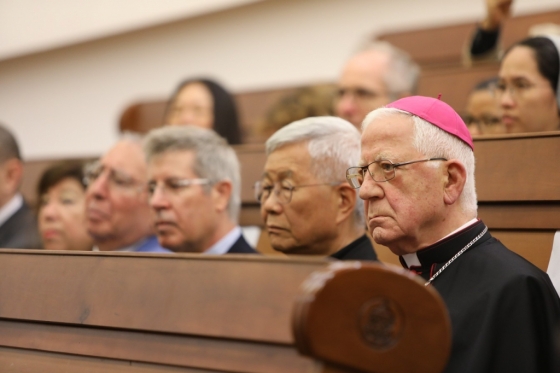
column 412, row 260
column 10, row 208
column 222, row 246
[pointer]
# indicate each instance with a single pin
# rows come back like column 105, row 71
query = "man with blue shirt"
column 117, row 210
column 195, row 191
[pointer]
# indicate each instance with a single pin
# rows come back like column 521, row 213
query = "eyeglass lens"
column 383, row 170
column 283, row 193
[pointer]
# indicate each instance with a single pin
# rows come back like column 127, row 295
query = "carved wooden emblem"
column 381, row 323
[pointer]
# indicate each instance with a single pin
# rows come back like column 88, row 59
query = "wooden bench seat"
column 127, row 312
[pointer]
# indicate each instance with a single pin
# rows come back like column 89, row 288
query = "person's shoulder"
column 20, row 230
column 241, row 246
column 507, row 266
column 360, row 249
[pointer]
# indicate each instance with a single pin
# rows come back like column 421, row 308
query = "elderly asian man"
column 117, row 210
column 417, row 180
column 195, row 191
column 375, row 76
column 307, row 205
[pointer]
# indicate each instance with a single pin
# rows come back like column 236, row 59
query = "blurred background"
column 68, row 69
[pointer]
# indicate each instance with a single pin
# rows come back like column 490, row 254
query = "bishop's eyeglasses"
column 380, row 171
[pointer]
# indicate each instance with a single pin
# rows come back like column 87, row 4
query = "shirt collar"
column 413, row 260
column 225, row 243
column 130, row 248
column 10, row 208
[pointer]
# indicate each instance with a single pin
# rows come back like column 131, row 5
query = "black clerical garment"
column 360, row 249
column 503, row 309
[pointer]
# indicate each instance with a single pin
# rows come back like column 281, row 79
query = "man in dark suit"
column 306, row 203
column 18, row 225
column 195, row 191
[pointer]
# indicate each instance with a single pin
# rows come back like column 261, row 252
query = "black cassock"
column 504, row 311
column 360, row 249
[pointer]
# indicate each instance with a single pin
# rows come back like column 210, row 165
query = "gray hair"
column 8, row 145
column 403, row 73
column 333, row 145
column 432, row 141
column 214, row 158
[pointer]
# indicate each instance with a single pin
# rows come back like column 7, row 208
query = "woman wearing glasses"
column 528, row 87
column 62, row 219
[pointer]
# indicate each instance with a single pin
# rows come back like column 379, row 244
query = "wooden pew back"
column 129, row 312
column 170, row 310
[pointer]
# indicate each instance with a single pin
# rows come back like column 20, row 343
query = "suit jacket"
column 360, row 249
column 20, row 230
column 241, row 247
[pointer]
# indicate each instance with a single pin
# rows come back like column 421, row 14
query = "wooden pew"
column 126, row 312
column 518, row 187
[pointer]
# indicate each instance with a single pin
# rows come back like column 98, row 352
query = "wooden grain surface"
column 372, row 318
column 224, row 355
column 30, row 361
column 186, row 294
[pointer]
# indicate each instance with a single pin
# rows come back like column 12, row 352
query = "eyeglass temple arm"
column 420, row 160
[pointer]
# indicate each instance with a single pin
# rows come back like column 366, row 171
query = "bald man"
column 375, row 76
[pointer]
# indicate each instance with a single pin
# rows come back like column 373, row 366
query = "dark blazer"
column 241, row 247
column 20, row 230
column 360, row 249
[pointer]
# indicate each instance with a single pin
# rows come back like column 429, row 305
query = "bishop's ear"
column 455, row 178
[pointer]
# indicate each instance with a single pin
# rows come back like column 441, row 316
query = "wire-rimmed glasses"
column 117, row 179
column 174, row 185
column 282, row 191
column 380, row 171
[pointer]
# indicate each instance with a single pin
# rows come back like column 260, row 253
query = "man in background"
column 373, row 77
column 306, row 203
column 195, row 191
column 117, row 210
column 18, row 226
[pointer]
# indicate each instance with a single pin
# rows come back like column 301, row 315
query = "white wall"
column 30, row 26
column 67, row 102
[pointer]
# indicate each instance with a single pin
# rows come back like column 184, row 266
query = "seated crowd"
column 390, row 167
